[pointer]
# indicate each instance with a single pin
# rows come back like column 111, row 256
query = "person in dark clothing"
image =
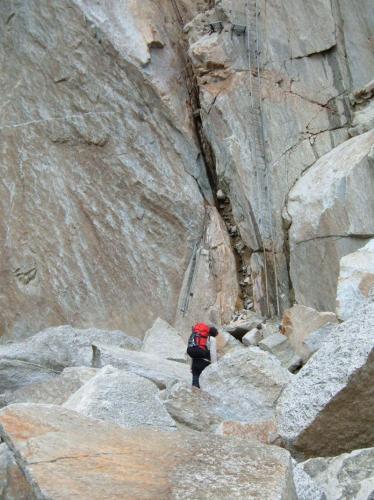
column 198, row 350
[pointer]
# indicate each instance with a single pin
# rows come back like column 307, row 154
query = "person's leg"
column 195, row 379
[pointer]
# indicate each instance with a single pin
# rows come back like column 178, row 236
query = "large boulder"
column 327, row 409
column 66, row 455
column 164, row 341
column 356, row 280
column 249, row 381
column 348, row 476
column 196, row 409
column 13, row 485
column 47, row 353
column 332, row 212
column 299, row 322
column 160, row 371
column 54, row 391
column 123, row 398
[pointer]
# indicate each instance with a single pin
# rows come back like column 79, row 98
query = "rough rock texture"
column 332, row 213
column 123, row 398
column 363, row 116
column 164, row 341
column 316, row 339
column 299, row 322
column 348, row 476
column 13, row 485
column 252, row 338
column 312, row 56
column 240, row 327
column 356, row 280
column 210, row 286
column 265, row 432
column 161, row 371
column 279, row 345
column 328, row 407
column 47, row 353
column 55, row 391
column 226, row 342
column 103, row 182
column 306, row 488
column 195, row 408
column 67, row 455
column 249, row 381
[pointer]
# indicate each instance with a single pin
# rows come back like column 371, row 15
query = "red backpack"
column 198, row 339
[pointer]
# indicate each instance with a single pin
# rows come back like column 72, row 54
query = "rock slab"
column 247, row 380
column 299, row 322
column 123, row 398
column 55, row 391
column 161, row 371
column 164, row 341
column 65, row 455
column 47, row 353
column 328, row 407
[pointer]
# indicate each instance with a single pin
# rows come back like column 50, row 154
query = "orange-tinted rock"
column 66, row 455
column 265, row 432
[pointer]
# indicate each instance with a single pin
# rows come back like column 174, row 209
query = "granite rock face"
column 312, row 56
column 356, row 280
column 249, row 381
column 103, row 182
column 66, row 455
column 123, row 398
column 327, row 407
column 332, row 213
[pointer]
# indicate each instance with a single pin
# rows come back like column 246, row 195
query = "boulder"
column 196, row 409
column 13, row 485
column 247, row 380
column 123, row 398
column 350, row 475
column 54, row 391
column 299, row 322
column 316, row 339
column 265, row 432
column 47, row 353
column 306, row 488
column 279, row 345
column 226, row 343
column 242, row 326
column 327, row 408
column 164, row 341
column 356, row 280
column 252, row 338
column 160, row 371
column 331, row 211
column 66, row 455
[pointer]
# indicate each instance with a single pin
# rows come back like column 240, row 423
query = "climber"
column 199, row 349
